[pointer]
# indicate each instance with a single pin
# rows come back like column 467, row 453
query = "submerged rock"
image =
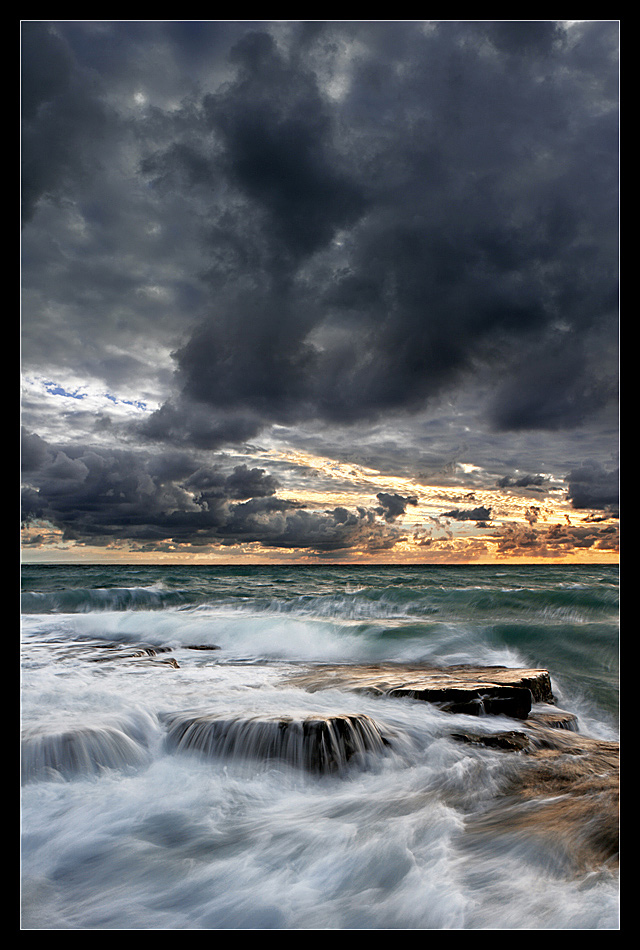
column 510, row 741
column 553, row 718
column 562, row 792
column 492, row 690
column 78, row 751
column 107, row 652
column 319, row 744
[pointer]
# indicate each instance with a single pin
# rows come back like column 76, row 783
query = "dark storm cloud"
column 110, row 274
column 383, row 206
column 553, row 388
column 60, row 114
column 242, row 483
column 523, row 481
column 183, row 422
column 394, row 505
column 323, row 225
column 593, row 486
column 96, row 496
column 277, row 135
column 469, row 514
column 524, row 37
column 456, row 204
column 339, row 529
column 34, row 452
column 46, row 68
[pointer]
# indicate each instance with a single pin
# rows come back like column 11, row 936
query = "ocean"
column 126, row 826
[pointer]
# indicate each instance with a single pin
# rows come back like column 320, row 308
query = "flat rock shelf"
column 491, row 690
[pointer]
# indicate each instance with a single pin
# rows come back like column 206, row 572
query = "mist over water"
column 122, row 830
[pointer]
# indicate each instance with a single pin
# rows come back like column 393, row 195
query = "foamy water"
column 123, row 830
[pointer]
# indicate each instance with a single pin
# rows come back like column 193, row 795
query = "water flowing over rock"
column 80, row 751
column 109, row 652
column 553, row 718
column 562, row 790
column 558, row 787
column 320, row 744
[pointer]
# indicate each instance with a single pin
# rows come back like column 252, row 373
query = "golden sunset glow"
column 519, row 530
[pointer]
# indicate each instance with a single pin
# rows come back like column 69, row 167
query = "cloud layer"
column 323, row 226
column 101, row 496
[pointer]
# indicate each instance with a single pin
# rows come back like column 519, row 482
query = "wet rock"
column 509, row 741
column 201, row 646
column 472, row 699
column 494, row 690
column 563, row 792
column 320, row 744
column 117, row 651
column 77, row 751
column 553, row 718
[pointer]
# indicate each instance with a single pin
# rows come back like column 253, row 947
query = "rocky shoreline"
column 558, row 785
column 563, row 787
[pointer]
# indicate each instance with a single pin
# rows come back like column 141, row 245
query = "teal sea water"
column 120, row 832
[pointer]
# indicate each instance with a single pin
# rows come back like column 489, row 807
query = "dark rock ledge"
column 108, row 652
column 316, row 743
column 474, row 690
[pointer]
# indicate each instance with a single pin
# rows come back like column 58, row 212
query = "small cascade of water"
column 82, row 751
column 276, row 783
column 319, row 744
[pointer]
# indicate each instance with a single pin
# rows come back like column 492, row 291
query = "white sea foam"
column 142, row 835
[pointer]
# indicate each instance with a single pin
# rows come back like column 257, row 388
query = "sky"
column 319, row 291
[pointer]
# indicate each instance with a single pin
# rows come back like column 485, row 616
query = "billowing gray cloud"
column 593, row 486
column 328, row 531
column 277, row 137
column 522, row 481
column 469, row 514
column 378, row 253
column 100, row 496
column 393, row 505
column 328, row 227
column 241, row 483
column 196, row 424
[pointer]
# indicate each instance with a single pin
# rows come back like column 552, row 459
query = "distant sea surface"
column 121, row 831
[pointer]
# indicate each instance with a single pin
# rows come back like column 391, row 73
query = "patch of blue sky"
column 56, row 390
column 136, row 403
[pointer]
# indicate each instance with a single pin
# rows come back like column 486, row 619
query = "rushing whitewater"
column 177, row 774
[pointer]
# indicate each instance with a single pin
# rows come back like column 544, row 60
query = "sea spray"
column 170, row 839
